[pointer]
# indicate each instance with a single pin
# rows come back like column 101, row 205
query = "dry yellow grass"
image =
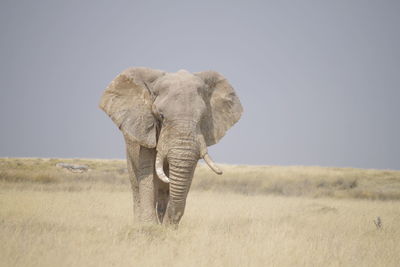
column 248, row 180
column 86, row 219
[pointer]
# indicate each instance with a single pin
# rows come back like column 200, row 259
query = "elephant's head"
column 179, row 114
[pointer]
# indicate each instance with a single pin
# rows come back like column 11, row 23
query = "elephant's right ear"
column 128, row 100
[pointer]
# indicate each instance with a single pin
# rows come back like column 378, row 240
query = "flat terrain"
column 250, row 216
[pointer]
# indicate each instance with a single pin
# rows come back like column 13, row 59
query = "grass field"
column 250, row 216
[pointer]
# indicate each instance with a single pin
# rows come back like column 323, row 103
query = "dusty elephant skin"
column 168, row 120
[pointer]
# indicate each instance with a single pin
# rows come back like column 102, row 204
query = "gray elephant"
column 168, row 120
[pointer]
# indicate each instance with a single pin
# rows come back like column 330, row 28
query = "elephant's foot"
column 174, row 213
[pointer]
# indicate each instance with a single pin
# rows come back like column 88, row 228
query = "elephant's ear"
column 223, row 107
column 128, row 100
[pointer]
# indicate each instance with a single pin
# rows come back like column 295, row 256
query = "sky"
column 319, row 80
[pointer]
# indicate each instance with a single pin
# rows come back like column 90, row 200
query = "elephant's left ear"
column 223, row 106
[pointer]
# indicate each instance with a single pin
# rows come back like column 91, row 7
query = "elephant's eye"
column 161, row 116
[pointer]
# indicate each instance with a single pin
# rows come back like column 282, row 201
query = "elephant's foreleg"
column 132, row 155
column 146, row 181
column 143, row 181
column 162, row 199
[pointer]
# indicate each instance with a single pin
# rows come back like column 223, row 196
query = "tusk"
column 211, row 164
column 160, row 169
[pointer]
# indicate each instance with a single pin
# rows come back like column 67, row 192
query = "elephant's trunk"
column 180, row 147
column 182, row 162
column 181, row 168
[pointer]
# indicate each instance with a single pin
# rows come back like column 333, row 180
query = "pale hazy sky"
column 319, row 80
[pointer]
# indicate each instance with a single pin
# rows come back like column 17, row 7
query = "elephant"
column 168, row 120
